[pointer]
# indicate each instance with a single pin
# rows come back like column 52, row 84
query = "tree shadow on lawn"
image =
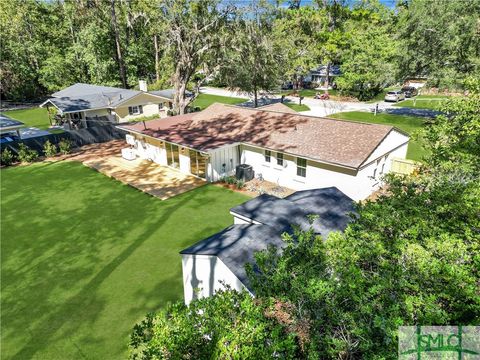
column 60, row 245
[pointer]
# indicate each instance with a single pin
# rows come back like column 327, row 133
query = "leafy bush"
column 49, row 149
column 229, row 325
column 230, row 180
column 240, row 184
column 25, row 154
column 7, row 157
column 65, row 146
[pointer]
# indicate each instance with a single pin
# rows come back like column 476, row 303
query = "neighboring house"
column 220, row 259
column 84, row 103
column 9, row 128
column 296, row 151
column 318, row 76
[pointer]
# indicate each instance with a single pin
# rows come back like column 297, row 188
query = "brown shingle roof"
column 326, row 140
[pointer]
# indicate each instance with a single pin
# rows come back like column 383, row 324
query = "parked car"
column 410, row 91
column 395, row 95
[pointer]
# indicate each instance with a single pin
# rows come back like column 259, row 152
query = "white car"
column 395, row 95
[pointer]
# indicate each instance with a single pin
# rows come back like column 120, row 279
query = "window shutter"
column 130, row 110
column 140, row 109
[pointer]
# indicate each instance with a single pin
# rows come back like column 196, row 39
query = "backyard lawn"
column 409, row 124
column 34, row 117
column 83, row 257
column 205, row 100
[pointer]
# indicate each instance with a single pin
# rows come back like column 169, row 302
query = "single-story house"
column 318, row 76
column 220, row 259
column 296, row 151
column 85, row 103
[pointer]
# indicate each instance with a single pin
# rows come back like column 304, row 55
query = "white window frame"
column 138, row 111
column 301, row 167
column 280, row 159
column 268, row 156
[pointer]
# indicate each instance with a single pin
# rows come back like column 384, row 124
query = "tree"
column 368, row 62
column 440, row 40
column 253, row 60
column 294, row 31
column 227, row 325
column 410, row 257
column 193, row 40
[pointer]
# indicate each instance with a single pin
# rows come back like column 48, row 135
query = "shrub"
column 230, row 180
column 49, row 149
column 7, row 157
column 65, row 146
column 240, row 184
column 25, row 154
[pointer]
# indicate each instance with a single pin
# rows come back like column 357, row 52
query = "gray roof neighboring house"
column 8, row 124
column 236, row 245
column 330, row 204
column 168, row 93
column 81, row 97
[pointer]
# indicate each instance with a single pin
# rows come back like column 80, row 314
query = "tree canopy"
column 48, row 45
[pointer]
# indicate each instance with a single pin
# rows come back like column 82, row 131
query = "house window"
column 135, row 110
column 268, row 155
column 76, row 116
column 301, row 167
column 161, row 106
column 280, row 159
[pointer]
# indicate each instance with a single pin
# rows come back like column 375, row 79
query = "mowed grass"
column 83, row 257
column 205, row 100
column 33, row 117
column 410, row 124
column 297, row 107
column 430, row 104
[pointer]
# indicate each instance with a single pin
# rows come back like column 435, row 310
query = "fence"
column 403, row 166
column 93, row 134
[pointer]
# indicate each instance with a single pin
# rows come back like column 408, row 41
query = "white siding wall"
column 184, row 159
column 356, row 184
column 227, row 155
column 392, row 141
column 202, row 275
column 148, row 110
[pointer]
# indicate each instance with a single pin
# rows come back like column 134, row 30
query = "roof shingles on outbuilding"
column 338, row 142
column 236, row 245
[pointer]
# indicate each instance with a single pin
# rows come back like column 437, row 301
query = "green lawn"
column 205, row 100
column 36, row 117
column 308, row 92
column 421, row 103
column 83, row 257
column 410, row 124
column 297, row 107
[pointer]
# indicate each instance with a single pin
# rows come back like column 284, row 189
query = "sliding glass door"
column 172, row 155
column 198, row 164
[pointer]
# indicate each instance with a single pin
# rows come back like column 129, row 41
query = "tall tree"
column 368, row 61
column 440, row 40
column 193, row 40
column 118, row 45
column 253, row 60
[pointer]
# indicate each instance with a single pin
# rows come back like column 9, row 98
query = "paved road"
column 323, row 108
